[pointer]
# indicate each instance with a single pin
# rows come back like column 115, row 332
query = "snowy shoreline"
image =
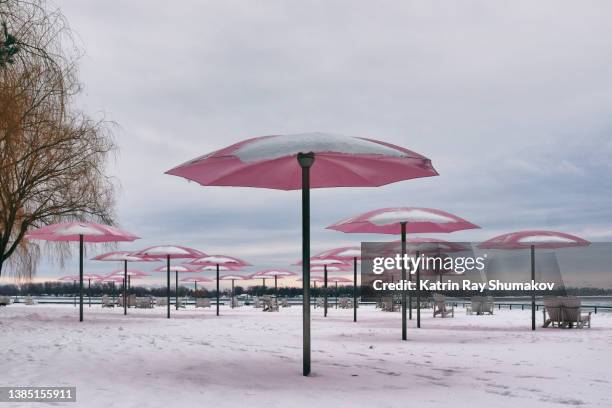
column 249, row 357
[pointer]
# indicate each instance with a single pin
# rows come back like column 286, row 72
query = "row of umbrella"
column 317, row 160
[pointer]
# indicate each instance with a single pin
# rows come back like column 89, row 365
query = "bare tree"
column 52, row 156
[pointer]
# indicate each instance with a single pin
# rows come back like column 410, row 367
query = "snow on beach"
column 247, row 357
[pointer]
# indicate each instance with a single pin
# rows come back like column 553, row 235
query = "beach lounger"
column 269, row 305
column 488, row 305
column 344, row 303
column 552, row 308
column 202, row 303
column 181, row 303
column 107, row 302
column 387, row 304
column 285, row 302
column 29, row 301
column 256, row 302
column 144, row 303
column 5, row 300
column 475, row 305
column 440, row 308
column 320, row 302
column 572, row 314
column 161, row 301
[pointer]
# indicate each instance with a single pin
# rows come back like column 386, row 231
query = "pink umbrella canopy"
column 305, row 161
column 539, row 239
column 389, row 220
column 234, row 277
column 225, row 260
column 191, row 279
column 313, row 279
column 121, row 256
column 71, row 231
column 340, row 254
column 341, row 161
column 168, row 251
column 270, row 273
column 134, row 273
column 178, row 268
column 112, row 278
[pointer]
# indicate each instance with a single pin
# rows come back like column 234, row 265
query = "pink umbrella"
column 233, row 278
column 284, row 162
column 345, row 254
column 402, row 220
column 195, row 280
column 532, row 240
column 219, row 261
column 276, row 273
column 82, row 232
column 169, row 252
column 125, row 257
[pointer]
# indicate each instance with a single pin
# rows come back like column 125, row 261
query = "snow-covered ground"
column 249, row 358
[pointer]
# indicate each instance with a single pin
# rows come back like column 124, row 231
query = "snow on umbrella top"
column 121, row 256
column 111, row 278
column 329, row 260
column 538, row 239
column 71, row 231
column 234, row 277
column 130, row 272
column 313, row 279
column 196, row 279
column 332, row 268
column 172, row 251
column 220, row 260
column 270, row 273
column 214, row 268
column 417, row 219
column 178, row 268
column 341, row 161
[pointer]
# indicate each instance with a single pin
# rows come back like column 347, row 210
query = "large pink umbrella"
column 233, row 278
column 532, row 240
column 400, row 220
column 302, row 161
column 344, row 254
column 218, row 261
column 81, row 232
column 125, row 257
column 168, row 252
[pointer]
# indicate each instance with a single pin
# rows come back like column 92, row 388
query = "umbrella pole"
column 125, row 287
column 325, row 295
column 336, row 294
column 217, row 289
column 306, row 160
column 232, row 293
column 176, row 289
column 355, row 289
column 276, row 288
column 168, row 285
column 533, row 303
column 89, row 291
column 418, row 294
column 74, row 294
column 404, row 322
column 81, row 278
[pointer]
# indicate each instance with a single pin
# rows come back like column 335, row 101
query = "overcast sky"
column 510, row 100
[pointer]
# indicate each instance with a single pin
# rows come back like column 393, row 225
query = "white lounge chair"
column 161, row 301
column 440, row 308
column 202, row 303
column 285, row 302
column 107, row 302
column 257, row 303
column 144, row 303
column 5, row 300
column 269, row 305
column 572, row 314
column 29, row 301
